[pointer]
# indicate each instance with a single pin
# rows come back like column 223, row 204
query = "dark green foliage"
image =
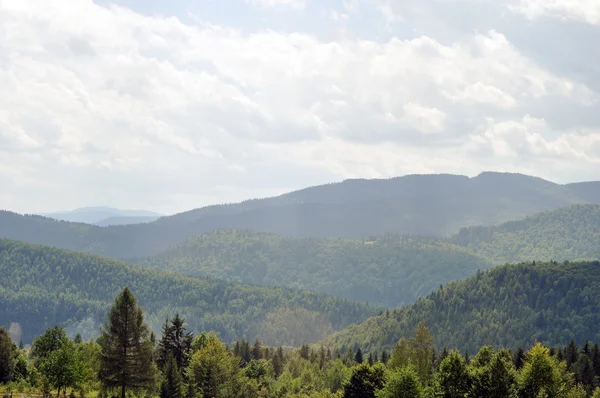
column 358, row 357
column 389, row 270
column 7, row 356
column 42, row 286
column 126, row 359
column 365, row 381
column 453, row 377
column 497, row 307
column 175, row 342
column 172, row 385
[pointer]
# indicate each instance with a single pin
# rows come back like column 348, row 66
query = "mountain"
column 389, row 271
column 437, row 205
column 101, row 215
column 42, row 286
column 570, row 233
column 126, row 220
column 510, row 306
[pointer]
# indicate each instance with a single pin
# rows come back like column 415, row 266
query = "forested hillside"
column 436, row 205
column 390, row 271
column 511, row 306
column 571, row 233
column 42, row 286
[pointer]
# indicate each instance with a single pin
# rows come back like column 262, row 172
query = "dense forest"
column 128, row 359
column 571, row 233
column 436, row 205
column 508, row 306
column 43, row 286
column 391, row 271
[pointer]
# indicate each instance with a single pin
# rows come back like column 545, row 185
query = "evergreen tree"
column 365, row 381
column 175, row 341
column 542, row 374
column 572, row 354
column 172, row 383
column 358, row 357
column 453, row 377
column 257, row 350
column 126, row 357
column 384, row 357
column 6, row 356
column 519, row 358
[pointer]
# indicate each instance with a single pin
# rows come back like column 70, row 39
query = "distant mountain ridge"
column 101, row 215
column 436, row 205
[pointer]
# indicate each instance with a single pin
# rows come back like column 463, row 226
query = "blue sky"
column 172, row 105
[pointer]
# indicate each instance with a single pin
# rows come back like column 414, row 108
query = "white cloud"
column 297, row 4
column 584, row 10
column 108, row 106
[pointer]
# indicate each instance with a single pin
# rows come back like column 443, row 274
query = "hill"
column 390, row 271
column 510, row 306
column 126, row 220
column 437, row 205
column 571, row 233
column 42, row 286
column 97, row 215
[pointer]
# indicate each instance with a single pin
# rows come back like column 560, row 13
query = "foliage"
column 402, row 383
column 43, row 286
column 511, row 306
column 126, row 358
column 389, row 270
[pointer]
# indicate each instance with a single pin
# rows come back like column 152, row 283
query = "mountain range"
column 105, row 216
column 434, row 205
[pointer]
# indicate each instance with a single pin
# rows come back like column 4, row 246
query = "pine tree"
column 6, row 356
column 572, row 354
column 172, row 384
column 519, row 358
column 358, row 357
column 257, row 350
column 126, row 356
column 175, row 341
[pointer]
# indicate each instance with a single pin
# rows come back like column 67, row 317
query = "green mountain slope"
column 43, row 286
column 437, row 205
column 511, row 305
column 390, row 271
column 571, row 233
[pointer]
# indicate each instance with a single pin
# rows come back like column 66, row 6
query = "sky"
column 173, row 105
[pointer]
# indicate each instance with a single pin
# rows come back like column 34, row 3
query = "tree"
column 492, row 374
column 403, row 383
column 172, row 383
column 175, row 341
column 126, row 356
column 6, row 356
column 423, row 349
column 358, row 357
column 58, row 360
column 213, row 371
column 542, row 374
column 453, row 376
column 365, row 381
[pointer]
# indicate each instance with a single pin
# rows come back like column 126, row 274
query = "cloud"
column 297, row 4
column 584, row 10
column 103, row 105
